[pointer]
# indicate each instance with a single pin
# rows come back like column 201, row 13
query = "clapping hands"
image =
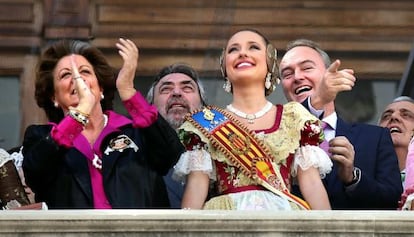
column 86, row 97
column 125, row 81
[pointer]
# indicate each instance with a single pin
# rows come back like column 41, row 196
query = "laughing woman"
column 88, row 156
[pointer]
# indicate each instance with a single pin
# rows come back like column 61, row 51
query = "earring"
column 102, row 96
column 227, row 86
column 55, row 103
column 268, row 83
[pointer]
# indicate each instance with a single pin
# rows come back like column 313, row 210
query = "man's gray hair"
column 403, row 98
column 177, row 68
column 310, row 44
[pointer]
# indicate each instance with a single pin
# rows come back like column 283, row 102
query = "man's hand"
column 343, row 153
column 333, row 82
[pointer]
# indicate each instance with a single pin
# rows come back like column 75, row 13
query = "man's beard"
column 175, row 116
column 175, row 122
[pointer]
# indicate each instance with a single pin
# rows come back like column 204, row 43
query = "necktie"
column 325, row 144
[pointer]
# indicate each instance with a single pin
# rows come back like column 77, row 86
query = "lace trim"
column 408, row 202
column 4, row 157
column 312, row 156
column 195, row 160
column 18, row 158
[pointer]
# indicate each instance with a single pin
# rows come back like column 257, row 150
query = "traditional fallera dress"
column 252, row 170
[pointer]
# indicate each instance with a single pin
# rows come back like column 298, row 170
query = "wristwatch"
column 356, row 176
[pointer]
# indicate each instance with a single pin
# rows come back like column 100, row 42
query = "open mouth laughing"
column 302, row 89
column 395, row 129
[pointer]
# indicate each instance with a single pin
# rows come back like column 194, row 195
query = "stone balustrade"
column 159, row 223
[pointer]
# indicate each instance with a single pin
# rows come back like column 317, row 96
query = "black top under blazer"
column 132, row 179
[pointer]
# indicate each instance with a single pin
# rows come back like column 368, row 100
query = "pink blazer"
column 408, row 194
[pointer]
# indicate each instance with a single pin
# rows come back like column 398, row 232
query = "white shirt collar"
column 331, row 120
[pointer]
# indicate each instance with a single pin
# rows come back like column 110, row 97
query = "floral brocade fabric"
column 294, row 128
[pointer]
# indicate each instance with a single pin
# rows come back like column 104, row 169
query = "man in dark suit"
column 176, row 91
column 365, row 173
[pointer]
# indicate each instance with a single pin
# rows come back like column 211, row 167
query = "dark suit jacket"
column 132, row 179
column 380, row 185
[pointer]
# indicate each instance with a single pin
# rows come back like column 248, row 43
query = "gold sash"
column 243, row 149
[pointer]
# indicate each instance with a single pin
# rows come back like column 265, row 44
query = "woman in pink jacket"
column 407, row 196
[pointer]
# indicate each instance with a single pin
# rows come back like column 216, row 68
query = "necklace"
column 251, row 117
column 97, row 161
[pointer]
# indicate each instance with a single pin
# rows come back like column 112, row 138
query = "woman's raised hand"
column 125, row 80
column 86, row 98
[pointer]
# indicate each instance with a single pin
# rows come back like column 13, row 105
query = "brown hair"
column 44, row 89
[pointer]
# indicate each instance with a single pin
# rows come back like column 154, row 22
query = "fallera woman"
column 253, row 150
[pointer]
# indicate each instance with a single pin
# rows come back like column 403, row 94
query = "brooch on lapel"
column 97, row 162
column 120, row 143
